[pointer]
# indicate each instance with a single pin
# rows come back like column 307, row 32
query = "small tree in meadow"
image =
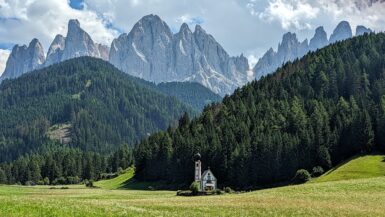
column 301, row 176
column 194, row 187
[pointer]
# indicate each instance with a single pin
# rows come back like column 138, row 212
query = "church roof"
column 212, row 174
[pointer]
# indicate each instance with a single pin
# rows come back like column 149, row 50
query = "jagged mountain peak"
column 34, row 42
column 24, row 59
column 73, row 23
column 289, row 36
column 319, row 40
column 361, row 30
column 185, row 28
column 341, row 32
column 152, row 52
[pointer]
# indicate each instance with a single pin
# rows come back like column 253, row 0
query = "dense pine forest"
column 190, row 93
column 103, row 107
column 66, row 123
column 317, row 111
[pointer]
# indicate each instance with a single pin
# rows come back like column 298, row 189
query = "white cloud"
column 4, row 54
column 357, row 12
column 290, row 13
column 23, row 20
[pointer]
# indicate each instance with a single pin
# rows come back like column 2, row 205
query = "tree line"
column 65, row 166
column 313, row 112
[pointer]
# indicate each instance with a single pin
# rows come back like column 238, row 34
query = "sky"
column 250, row 27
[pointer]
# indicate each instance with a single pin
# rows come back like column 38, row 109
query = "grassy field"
column 356, row 168
column 355, row 197
column 119, row 182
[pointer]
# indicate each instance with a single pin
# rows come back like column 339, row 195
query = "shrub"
column 218, row 191
column 46, row 181
column 30, row 183
column 120, row 171
column 59, row 181
column 40, row 182
column 89, row 183
column 194, row 188
column 301, row 176
column 228, row 190
column 317, row 171
column 73, row 180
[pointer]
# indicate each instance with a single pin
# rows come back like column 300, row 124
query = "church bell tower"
column 198, row 168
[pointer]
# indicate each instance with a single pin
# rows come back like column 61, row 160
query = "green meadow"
column 360, row 193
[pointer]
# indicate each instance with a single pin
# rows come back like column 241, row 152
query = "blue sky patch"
column 6, row 46
column 77, row 4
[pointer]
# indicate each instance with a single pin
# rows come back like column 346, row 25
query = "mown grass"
column 355, row 197
column 118, row 182
column 361, row 197
column 357, row 168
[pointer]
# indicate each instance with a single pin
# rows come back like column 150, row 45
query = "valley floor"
column 360, row 193
column 361, row 197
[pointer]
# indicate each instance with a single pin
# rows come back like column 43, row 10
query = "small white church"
column 206, row 180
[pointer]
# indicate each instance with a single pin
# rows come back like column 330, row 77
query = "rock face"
column 24, row 59
column 319, row 40
column 55, row 51
column 150, row 51
column 361, row 30
column 104, row 51
column 341, row 32
column 77, row 43
column 290, row 49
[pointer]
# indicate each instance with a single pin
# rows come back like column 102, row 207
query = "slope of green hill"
column 360, row 167
column 102, row 108
column 118, row 182
column 316, row 111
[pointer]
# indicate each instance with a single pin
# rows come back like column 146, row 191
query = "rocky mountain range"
column 152, row 52
column 78, row 43
column 149, row 51
column 290, row 48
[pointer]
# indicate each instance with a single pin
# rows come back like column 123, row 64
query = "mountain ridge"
column 149, row 51
column 290, row 48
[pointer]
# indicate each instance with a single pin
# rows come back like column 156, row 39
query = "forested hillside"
column 316, row 111
column 190, row 93
column 84, row 103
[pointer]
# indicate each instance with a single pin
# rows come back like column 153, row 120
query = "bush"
column 301, row 176
column 46, row 181
column 89, row 183
column 228, row 190
column 73, row 180
column 40, row 182
column 120, row 171
column 218, row 191
column 30, row 183
column 317, row 171
column 194, row 188
column 59, row 181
